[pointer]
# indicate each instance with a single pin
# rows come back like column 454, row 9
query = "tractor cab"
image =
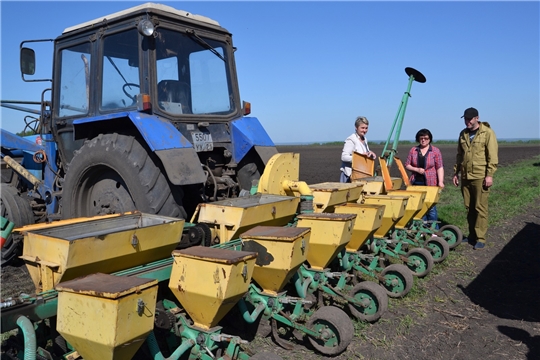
column 151, row 58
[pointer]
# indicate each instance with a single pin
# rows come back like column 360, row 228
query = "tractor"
column 143, row 112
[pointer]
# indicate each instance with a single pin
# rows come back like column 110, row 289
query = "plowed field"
column 490, row 312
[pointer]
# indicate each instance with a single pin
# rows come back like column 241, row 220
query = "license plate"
column 202, row 141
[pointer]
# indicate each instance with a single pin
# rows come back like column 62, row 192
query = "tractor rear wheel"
column 18, row 211
column 115, row 173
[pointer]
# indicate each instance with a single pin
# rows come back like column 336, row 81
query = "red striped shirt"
column 433, row 163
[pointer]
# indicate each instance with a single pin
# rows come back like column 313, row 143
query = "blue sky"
column 310, row 68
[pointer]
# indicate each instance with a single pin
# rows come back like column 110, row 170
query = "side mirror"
column 28, row 61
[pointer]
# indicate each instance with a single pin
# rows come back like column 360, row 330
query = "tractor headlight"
column 146, row 28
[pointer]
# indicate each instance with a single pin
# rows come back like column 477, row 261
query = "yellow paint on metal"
column 327, row 195
column 414, row 205
column 375, row 185
column 105, row 316
column 65, row 250
column 329, row 234
column 208, row 282
column 432, row 198
column 26, row 228
column 280, row 252
column 393, row 212
column 229, row 218
column 280, row 168
column 368, row 220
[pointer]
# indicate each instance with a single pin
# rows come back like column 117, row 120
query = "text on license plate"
column 202, row 141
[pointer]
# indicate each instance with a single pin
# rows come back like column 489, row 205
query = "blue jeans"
column 432, row 214
column 344, row 178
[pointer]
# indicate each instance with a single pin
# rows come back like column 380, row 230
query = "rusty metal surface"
column 214, row 254
column 96, row 226
column 249, row 201
column 275, row 232
column 333, row 186
column 105, row 285
column 327, row 216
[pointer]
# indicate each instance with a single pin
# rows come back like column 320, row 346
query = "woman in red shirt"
column 426, row 166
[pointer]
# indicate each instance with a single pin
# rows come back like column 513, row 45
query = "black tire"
column 114, row 173
column 246, row 175
column 420, row 261
column 18, row 211
column 398, row 280
column 335, row 327
column 373, row 298
column 438, row 248
column 250, row 168
column 452, row 234
column 265, row 355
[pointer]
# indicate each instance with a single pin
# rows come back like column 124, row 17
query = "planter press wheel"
column 452, row 234
column 373, row 299
column 397, row 280
column 334, row 326
column 438, row 248
column 420, row 262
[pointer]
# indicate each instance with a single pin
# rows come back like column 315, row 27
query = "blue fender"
column 177, row 154
column 158, row 133
column 247, row 132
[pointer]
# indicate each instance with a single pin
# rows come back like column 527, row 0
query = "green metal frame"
column 389, row 154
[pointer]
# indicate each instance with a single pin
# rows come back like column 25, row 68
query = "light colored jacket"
column 352, row 144
column 479, row 158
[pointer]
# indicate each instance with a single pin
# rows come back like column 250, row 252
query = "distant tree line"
column 440, row 142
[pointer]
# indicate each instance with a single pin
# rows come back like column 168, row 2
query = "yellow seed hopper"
column 368, row 220
column 65, row 249
column 329, row 234
column 432, row 192
column 280, row 252
column 393, row 212
column 375, row 185
column 106, row 317
column 329, row 194
column 229, row 218
column 208, row 282
column 414, row 205
column 432, row 198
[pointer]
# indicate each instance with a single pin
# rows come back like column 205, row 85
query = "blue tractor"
column 144, row 113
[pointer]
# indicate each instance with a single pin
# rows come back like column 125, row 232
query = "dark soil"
column 485, row 304
column 491, row 310
column 321, row 163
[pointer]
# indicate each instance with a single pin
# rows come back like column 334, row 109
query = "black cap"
column 470, row 113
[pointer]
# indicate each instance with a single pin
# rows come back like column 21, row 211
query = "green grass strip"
column 515, row 187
